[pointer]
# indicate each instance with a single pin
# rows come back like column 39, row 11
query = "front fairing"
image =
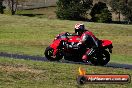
column 107, row 44
column 56, row 42
column 74, row 39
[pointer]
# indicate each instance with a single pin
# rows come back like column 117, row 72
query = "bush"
column 73, row 9
column 1, row 8
column 100, row 13
column 105, row 16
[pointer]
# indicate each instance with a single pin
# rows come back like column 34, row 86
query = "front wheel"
column 101, row 58
column 49, row 54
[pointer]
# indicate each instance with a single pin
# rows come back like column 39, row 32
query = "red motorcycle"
column 61, row 45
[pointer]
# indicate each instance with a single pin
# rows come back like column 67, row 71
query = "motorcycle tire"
column 101, row 59
column 49, row 54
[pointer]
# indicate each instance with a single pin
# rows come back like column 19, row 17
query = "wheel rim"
column 94, row 60
column 104, row 58
column 50, row 53
column 100, row 59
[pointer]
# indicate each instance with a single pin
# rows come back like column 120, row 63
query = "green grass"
column 25, row 35
column 31, row 35
column 46, row 12
column 32, row 74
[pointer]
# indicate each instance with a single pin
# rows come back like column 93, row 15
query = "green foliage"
column 115, row 5
column 1, row 7
column 122, row 6
column 100, row 13
column 127, row 10
column 73, row 9
column 105, row 16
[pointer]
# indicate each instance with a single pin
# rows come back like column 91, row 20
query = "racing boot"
column 87, row 55
column 85, row 58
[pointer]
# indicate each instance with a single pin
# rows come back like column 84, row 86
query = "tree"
column 100, row 13
column 1, row 7
column 116, row 6
column 73, row 9
column 105, row 16
column 12, row 4
column 122, row 7
column 127, row 9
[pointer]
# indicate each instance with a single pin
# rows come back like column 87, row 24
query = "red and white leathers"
column 88, row 39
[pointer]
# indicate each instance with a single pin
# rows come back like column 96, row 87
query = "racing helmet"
column 79, row 29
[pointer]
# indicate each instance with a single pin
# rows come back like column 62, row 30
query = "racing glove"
column 75, row 46
column 68, row 34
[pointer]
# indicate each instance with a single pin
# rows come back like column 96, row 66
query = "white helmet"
column 79, row 28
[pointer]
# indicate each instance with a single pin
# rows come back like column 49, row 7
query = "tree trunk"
column 13, row 12
column 13, row 6
column 119, row 16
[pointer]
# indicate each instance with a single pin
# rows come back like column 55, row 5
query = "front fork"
column 58, row 49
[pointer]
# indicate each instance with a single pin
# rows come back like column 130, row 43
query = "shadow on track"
column 38, row 58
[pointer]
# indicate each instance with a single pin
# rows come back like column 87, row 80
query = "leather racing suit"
column 90, row 41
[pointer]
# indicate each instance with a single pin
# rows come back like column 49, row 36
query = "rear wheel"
column 49, row 54
column 100, row 58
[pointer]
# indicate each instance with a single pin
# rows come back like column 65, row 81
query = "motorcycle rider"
column 87, row 39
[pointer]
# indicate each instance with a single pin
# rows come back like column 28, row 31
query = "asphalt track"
column 38, row 58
